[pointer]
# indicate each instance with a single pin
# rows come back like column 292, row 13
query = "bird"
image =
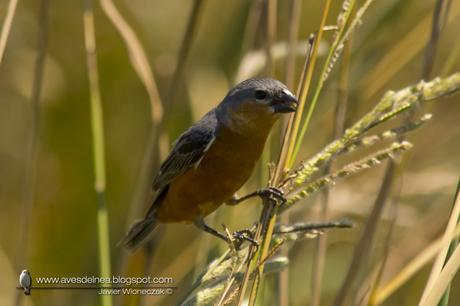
column 25, row 281
column 212, row 159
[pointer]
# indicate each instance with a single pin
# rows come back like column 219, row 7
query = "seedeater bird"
column 213, row 158
column 25, row 281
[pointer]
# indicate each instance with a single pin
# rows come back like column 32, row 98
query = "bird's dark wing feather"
column 188, row 150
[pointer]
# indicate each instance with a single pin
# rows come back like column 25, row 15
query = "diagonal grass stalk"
column 440, row 260
column 453, row 245
column 441, row 277
column 410, row 269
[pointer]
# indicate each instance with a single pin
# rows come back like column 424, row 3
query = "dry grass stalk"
column 439, row 291
column 438, row 265
column 138, row 58
column 6, row 28
column 443, row 281
column 408, row 271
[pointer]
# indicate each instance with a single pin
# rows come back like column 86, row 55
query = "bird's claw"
column 244, row 235
column 272, row 193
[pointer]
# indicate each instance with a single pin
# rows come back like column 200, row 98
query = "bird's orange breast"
column 225, row 167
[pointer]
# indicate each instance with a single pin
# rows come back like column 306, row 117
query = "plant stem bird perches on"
column 299, row 182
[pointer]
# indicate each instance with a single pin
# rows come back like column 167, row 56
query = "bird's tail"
column 141, row 229
column 27, row 291
column 139, row 232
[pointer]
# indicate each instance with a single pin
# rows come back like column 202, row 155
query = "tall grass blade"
column 6, row 27
column 97, row 130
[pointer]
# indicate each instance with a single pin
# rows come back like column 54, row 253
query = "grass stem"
column 268, row 216
column 97, row 130
column 6, row 28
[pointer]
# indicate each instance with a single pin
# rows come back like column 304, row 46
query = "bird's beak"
column 287, row 103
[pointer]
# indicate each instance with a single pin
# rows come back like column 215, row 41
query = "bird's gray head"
column 257, row 102
column 25, row 271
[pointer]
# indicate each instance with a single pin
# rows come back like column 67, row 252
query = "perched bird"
column 213, row 158
column 25, row 281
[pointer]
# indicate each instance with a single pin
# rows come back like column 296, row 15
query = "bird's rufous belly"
column 201, row 190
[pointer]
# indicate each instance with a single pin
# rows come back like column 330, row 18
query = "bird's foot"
column 272, row 193
column 244, row 235
column 237, row 238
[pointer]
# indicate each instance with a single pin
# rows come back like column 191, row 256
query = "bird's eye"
column 260, row 94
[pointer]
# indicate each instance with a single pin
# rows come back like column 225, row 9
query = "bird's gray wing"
column 188, row 150
column 25, row 281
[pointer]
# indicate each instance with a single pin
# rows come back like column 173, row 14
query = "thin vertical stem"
column 271, row 8
column 385, row 256
column 303, row 92
column 184, row 50
column 367, row 235
column 271, row 22
column 265, row 228
column 430, row 50
column 293, row 32
column 6, row 28
column 33, row 144
column 97, row 131
column 252, row 23
column 339, row 125
column 270, row 38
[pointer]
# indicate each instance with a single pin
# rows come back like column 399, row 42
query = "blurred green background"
column 387, row 54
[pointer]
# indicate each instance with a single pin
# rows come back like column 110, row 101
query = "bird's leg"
column 239, row 236
column 203, row 226
column 264, row 193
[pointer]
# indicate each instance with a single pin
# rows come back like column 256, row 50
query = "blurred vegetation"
column 387, row 53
